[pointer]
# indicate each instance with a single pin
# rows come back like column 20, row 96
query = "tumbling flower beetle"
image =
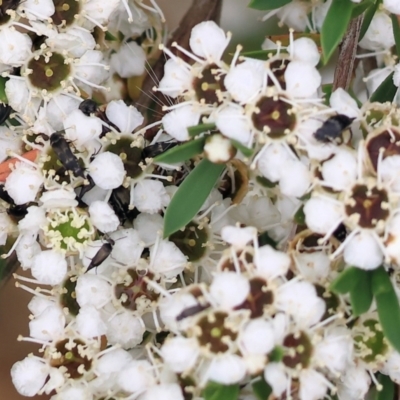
column 103, row 253
column 64, row 153
column 156, row 149
column 5, row 111
column 88, row 107
column 332, row 128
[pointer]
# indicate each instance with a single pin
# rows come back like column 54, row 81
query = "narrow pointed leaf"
column 387, row 305
column 385, row 92
column 246, row 151
column 300, row 217
column 368, row 15
column 387, row 392
column 261, row 389
column 264, row 238
column 334, row 27
column 217, row 391
column 361, row 294
column 3, row 96
column 359, row 8
column 191, row 195
column 396, row 32
column 197, row 129
column 267, row 4
column 182, row 152
column 345, row 282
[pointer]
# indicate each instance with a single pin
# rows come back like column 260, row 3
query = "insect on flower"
column 103, row 253
column 88, row 107
column 5, row 111
column 64, row 153
column 332, row 128
column 156, row 149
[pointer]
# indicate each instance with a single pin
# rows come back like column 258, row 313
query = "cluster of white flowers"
column 241, row 295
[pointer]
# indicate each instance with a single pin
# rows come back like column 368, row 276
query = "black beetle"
column 332, row 128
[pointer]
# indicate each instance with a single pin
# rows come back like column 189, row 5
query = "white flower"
column 107, row 170
column 322, row 215
column 227, row 369
column 272, row 162
column 126, row 118
column 15, row 47
column 92, row 290
column 150, row 196
column 313, row 385
column 141, row 371
column 89, row 323
column 166, row 391
column 257, row 337
column 103, row 216
column 392, row 6
column 363, row 251
column 300, row 300
column 295, row 179
column 178, row 120
column 229, row 289
column 340, row 171
column 302, row 79
column 180, row 353
column 295, row 15
column 167, row 259
column 379, row 35
column 276, row 377
column 148, row 226
column 127, row 247
column 270, row 262
column 81, row 129
column 354, row 383
column 129, row 60
column 124, row 329
column 9, row 141
column 48, row 325
column 343, row 103
column 29, row 375
column 23, row 183
column 244, row 81
column 208, row 41
column 238, row 237
column 49, row 267
column 232, row 123
column 177, row 78
column 305, row 49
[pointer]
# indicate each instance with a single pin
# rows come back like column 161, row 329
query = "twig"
column 347, row 53
column 200, row 10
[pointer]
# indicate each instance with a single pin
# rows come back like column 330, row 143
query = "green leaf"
column 369, row 14
column 111, row 38
column 7, row 267
column 387, row 305
column 267, row 4
column 264, row 238
column 345, row 282
column 396, row 32
column 334, row 26
column 359, row 8
column 385, row 92
column 197, row 129
column 327, row 91
column 243, row 149
column 265, row 182
column 3, row 96
column 191, row 195
column 361, row 294
column 181, row 153
column 217, row 391
column 387, row 392
column 261, row 389
column 300, row 217
column 260, row 54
